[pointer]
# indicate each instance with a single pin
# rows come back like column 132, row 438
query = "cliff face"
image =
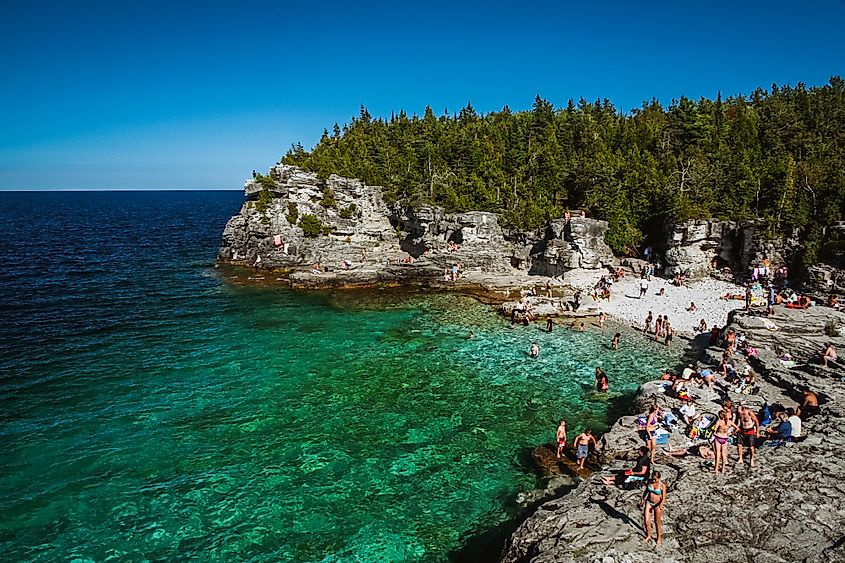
column 298, row 221
column 695, row 246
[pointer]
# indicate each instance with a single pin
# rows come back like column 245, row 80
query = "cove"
column 154, row 411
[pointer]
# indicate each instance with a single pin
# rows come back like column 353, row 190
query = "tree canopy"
column 777, row 156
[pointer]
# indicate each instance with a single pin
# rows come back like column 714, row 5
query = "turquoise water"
column 152, row 411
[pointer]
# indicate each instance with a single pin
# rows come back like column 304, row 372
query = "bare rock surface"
column 790, row 508
column 339, row 232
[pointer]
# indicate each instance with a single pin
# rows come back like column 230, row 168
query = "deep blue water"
column 149, row 410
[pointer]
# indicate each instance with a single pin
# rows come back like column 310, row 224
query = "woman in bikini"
column 654, row 497
column 721, row 434
column 651, row 426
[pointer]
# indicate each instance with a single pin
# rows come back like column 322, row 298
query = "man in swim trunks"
column 582, row 446
column 749, row 428
column 561, row 437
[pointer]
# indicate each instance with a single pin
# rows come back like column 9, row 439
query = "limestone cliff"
column 293, row 220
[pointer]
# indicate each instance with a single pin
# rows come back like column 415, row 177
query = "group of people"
column 663, row 329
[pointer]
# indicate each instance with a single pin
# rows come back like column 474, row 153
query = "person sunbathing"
column 639, row 473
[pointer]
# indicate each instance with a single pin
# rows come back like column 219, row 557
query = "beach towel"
column 277, row 240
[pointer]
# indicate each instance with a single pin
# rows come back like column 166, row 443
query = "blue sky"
column 193, row 95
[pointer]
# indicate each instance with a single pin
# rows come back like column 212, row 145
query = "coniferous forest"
column 777, row 156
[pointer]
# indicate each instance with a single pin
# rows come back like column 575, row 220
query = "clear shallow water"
column 150, row 411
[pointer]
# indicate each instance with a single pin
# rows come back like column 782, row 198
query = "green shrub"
column 313, row 227
column 293, row 213
column 328, row 200
column 831, row 329
column 350, row 212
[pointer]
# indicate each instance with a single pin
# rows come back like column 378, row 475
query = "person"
column 640, row 472
column 654, row 497
column 651, row 425
column 770, row 300
column 809, row 405
column 702, row 326
column 616, row 338
column 658, row 327
column 648, row 321
column 602, row 383
column 549, row 324
column 794, row 422
column 561, row 437
column 602, row 318
column 692, row 308
column 715, row 332
column 688, row 411
column 257, row 264
column 748, row 297
column 828, row 354
column 662, row 292
column 749, row 428
column 721, row 434
column 535, row 350
column 455, row 271
column 582, row 446
column 670, row 333
column 581, row 327
column 643, row 286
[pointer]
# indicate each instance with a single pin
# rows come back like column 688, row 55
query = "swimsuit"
column 654, row 492
column 721, row 439
column 583, row 451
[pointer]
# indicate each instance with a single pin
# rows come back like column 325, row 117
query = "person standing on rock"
column 561, row 437
column 651, row 426
column 643, row 286
column 658, row 327
column 654, row 497
column 602, row 318
column 721, row 435
column 749, row 428
column 770, row 300
column 582, row 446
column 648, row 321
column 748, row 297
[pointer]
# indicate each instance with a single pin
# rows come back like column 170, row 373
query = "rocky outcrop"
column 339, row 232
column 698, row 248
column 790, row 508
column 576, row 243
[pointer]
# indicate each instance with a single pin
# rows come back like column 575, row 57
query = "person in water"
column 615, row 341
column 561, row 437
column 582, row 446
column 535, row 350
column 549, row 324
column 654, row 497
column 602, row 318
column 670, row 333
column 721, row 434
column 602, row 383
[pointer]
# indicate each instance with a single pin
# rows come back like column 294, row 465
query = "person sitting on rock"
column 702, row 326
column 829, row 354
column 692, row 308
column 640, row 472
column 809, row 405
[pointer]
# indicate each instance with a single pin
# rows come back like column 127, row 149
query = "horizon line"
column 30, row 190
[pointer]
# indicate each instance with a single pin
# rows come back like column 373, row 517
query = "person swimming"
column 535, row 350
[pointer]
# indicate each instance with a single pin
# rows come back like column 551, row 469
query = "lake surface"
column 153, row 411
